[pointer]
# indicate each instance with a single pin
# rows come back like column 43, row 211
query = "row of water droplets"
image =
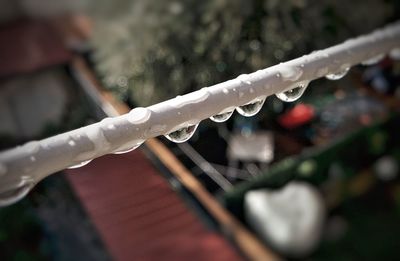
column 26, row 182
column 294, row 93
column 250, row 109
column 183, row 134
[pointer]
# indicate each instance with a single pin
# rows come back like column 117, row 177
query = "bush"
column 149, row 50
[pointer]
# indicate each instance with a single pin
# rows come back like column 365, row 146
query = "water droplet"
column 225, row 91
column 294, row 93
column 128, row 148
column 31, row 147
column 183, row 134
column 99, row 141
column 139, row 115
column 16, row 192
column 337, row 75
column 244, row 78
column 126, row 151
column 291, row 73
column 71, row 143
column 251, row 108
column 83, row 163
column 395, row 54
column 32, row 158
column 221, row 117
column 373, row 60
column 190, row 98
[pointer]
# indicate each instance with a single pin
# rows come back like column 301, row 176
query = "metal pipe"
column 205, row 166
column 22, row 167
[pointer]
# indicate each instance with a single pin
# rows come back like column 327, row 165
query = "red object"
column 139, row 216
column 29, row 45
column 297, row 116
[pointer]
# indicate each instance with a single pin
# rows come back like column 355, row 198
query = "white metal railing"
column 22, row 167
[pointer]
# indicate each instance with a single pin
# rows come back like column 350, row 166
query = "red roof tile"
column 138, row 215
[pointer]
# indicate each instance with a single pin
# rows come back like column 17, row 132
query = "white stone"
column 289, row 219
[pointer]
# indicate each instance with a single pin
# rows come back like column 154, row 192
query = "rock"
column 289, row 219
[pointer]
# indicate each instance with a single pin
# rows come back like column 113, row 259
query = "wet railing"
column 177, row 119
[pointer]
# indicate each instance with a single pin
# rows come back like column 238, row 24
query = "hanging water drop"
column 123, row 151
column 294, row 93
column 129, row 148
column 252, row 108
column 223, row 116
column 373, row 60
column 83, row 163
column 15, row 192
column 337, row 75
column 183, row 134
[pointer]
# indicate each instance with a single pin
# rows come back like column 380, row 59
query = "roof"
column 139, row 216
column 29, row 45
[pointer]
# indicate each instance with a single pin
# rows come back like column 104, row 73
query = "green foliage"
column 152, row 50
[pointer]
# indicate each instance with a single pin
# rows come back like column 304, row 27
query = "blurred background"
column 315, row 179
